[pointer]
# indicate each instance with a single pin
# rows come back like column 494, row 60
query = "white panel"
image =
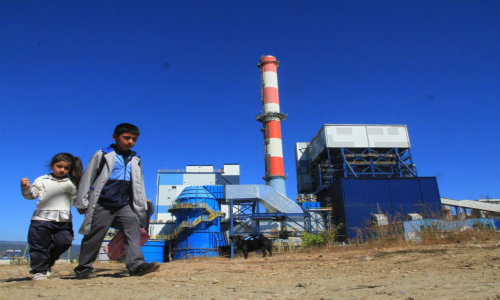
column 231, row 170
column 347, row 136
column 363, row 136
column 275, row 147
column 300, row 149
column 165, row 217
column 387, row 136
column 166, row 195
column 270, row 79
column 225, row 209
column 199, row 169
column 271, row 107
column 103, row 257
column 302, row 166
column 179, row 189
column 161, row 228
column 317, row 145
column 199, row 179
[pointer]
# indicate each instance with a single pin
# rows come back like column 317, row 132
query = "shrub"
column 322, row 239
column 313, row 240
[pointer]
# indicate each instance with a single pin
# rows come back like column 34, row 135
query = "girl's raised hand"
column 25, row 182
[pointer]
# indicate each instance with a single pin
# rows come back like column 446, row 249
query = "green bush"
column 313, row 240
column 321, row 239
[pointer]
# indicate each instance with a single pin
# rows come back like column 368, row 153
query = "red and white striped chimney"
column 271, row 118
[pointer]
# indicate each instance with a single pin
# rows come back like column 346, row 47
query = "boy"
column 111, row 193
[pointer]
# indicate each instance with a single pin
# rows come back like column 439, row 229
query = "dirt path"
column 432, row 272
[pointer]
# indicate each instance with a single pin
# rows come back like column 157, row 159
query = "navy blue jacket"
column 118, row 190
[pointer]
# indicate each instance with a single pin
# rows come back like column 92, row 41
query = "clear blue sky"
column 185, row 73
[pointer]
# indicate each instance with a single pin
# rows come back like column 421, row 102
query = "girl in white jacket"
column 51, row 230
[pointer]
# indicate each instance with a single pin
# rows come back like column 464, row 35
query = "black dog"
column 256, row 243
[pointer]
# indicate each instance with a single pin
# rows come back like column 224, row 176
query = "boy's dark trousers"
column 47, row 241
column 125, row 220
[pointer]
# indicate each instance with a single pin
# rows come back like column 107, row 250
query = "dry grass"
column 436, row 232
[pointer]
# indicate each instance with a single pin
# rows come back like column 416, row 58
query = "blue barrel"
column 203, row 238
column 154, row 251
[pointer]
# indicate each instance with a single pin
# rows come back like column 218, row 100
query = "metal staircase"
column 208, row 217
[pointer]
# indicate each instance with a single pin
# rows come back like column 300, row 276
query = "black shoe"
column 145, row 268
column 85, row 274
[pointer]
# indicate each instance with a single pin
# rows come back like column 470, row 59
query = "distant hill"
column 9, row 245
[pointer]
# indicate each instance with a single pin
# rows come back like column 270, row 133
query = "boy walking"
column 111, row 193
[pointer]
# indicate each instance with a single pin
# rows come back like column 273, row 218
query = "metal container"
column 154, row 251
column 198, row 215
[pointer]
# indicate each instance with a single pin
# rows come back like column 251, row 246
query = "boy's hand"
column 25, row 182
column 81, row 211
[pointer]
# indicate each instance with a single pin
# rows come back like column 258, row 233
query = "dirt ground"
column 459, row 271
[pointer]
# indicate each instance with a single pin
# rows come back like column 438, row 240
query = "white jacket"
column 54, row 195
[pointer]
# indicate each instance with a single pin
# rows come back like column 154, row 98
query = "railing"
column 212, row 215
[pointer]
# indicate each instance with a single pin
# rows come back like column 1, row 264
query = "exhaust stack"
column 271, row 119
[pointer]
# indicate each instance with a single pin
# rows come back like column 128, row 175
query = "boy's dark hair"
column 126, row 128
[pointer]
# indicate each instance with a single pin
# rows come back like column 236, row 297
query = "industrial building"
column 198, row 220
column 189, row 213
column 196, row 205
column 362, row 171
column 355, row 175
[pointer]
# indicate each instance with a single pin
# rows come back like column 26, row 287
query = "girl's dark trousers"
column 47, row 241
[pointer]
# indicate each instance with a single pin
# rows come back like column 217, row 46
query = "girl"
column 51, row 231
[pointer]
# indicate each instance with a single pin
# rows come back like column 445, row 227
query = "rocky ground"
column 458, row 271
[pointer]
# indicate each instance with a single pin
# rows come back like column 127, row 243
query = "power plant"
column 350, row 177
column 364, row 170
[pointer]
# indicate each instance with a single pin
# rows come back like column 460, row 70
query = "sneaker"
column 39, row 276
column 85, row 274
column 145, row 268
column 48, row 274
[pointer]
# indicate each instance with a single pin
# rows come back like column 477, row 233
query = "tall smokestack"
column 271, row 118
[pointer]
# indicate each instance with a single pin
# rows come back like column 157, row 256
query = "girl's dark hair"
column 76, row 171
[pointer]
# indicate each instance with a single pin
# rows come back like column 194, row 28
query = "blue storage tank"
column 197, row 215
column 154, row 251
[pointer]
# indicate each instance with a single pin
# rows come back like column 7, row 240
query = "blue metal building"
column 355, row 200
column 361, row 170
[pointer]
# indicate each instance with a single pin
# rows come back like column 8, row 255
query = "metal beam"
column 471, row 204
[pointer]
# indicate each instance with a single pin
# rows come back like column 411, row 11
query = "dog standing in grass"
column 256, row 243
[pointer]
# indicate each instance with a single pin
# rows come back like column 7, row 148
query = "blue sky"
column 185, row 73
